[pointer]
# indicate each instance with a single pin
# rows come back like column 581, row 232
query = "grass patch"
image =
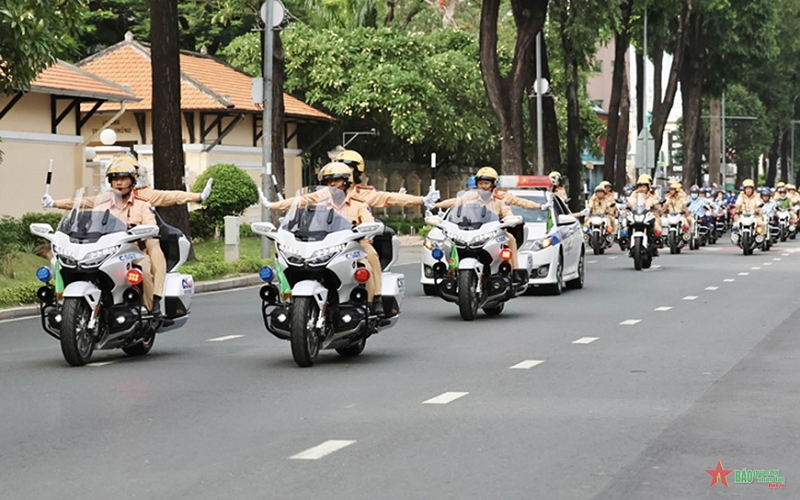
column 18, row 283
column 211, row 265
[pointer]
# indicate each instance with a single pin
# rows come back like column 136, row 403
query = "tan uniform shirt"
column 159, row 198
column 515, row 200
column 131, row 212
column 367, row 195
column 637, row 198
column 598, row 206
column 501, row 207
column 676, row 204
column 748, row 204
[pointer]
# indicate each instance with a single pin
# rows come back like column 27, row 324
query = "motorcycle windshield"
column 639, row 210
column 473, row 209
column 317, row 212
column 93, row 214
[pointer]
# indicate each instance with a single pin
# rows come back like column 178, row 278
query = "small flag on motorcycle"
column 453, row 262
column 59, row 281
column 284, row 287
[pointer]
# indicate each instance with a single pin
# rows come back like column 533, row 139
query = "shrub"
column 233, row 192
column 10, row 234
column 200, row 226
column 20, row 294
column 51, row 218
column 425, row 230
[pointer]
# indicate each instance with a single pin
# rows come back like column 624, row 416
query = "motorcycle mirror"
column 513, row 220
column 262, row 228
column 144, row 231
column 41, row 229
column 433, row 220
column 369, row 228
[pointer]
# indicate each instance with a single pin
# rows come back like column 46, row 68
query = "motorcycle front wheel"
column 77, row 341
column 747, row 247
column 467, row 297
column 305, row 344
column 596, row 243
column 637, row 254
column 673, row 243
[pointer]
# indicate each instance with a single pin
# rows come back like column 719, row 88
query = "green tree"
column 234, row 191
column 33, row 34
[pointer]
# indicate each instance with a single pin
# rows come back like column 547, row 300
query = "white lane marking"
column 744, row 274
column 445, row 398
column 729, row 280
column 656, row 266
column 322, row 450
column 690, row 297
column 784, row 255
column 100, row 363
column 527, row 364
column 755, row 268
column 663, row 308
column 226, row 337
column 585, row 340
column 712, row 288
column 767, row 264
column 630, row 322
column 19, row 319
column 591, row 262
column 215, row 292
column 612, row 258
column 711, row 249
column 776, row 259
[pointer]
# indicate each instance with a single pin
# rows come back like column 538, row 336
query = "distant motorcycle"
column 641, row 222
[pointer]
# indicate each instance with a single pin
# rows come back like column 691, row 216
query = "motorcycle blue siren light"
column 266, row 273
column 623, row 233
column 437, row 254
column 43, row 274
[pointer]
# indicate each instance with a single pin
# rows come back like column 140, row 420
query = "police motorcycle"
column 749, row 235
column 598, row 234
column 478, row 272
column 320, row 298
column 784, row 224
column 96, row 300
column 622, row 224
column 678, row 234
column 641, row 222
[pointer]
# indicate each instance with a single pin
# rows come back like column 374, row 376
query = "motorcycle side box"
column 393, row 290
column 178, row 293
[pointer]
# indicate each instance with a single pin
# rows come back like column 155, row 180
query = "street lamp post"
column 266, row 122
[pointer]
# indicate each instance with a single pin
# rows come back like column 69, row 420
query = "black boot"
column 156, row 309
column 520, row 276
column 377, row 307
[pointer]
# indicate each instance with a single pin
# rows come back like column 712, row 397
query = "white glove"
column 547, row 206
column 403, row 190
column 47, row 201
column 264, row 200
column 207, row 190
column 430, row 199
column 585, row 212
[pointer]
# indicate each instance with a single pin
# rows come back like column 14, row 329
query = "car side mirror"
column 262, row 228
column 566, row 220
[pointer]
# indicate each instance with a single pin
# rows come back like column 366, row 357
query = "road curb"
column 199, row 288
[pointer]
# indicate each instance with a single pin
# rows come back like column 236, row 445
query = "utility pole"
column 539, row 90
column 724, row 155
column 266, row 124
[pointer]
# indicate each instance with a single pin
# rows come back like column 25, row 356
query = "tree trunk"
column 447, row 9
column 167, row 144
column 772, row 167
column 552, row 146
column 278, row 126
column 621, row 175
column 700, row 150
column 389, row 12
column 640, row 95
column 506, row 94
column 413, row 11
column 662, row 105
column 715, row 138
column 621, row 42
column 692, row 92
column 573, row 114
column 785, row 156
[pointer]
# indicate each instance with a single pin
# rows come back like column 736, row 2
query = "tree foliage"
column 234, row 191
column 33, row 34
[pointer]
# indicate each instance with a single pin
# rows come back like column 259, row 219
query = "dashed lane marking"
column 322, row 450
column 591, row 262
column 630, row 322
column 712, row 288
column 585, row 340
column 100, row 363
column 756, row 268
column 776, row 259
column 445, row 398
column 767, row 264
column 663, row 308
column 744, row 274
column 223, row 339
column 690, row 297
column 527, row 364
column 729, row 280
column 612, row 258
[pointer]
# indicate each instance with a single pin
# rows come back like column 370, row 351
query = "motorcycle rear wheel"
column 467, row 298
column 77, row 342
column 305, row 344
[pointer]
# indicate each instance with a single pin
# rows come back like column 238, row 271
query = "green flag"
column 59, row 280
column 549, row 220
column 285, row 288
column 452, row 263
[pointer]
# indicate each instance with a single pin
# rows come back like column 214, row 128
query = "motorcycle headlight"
column 480, row 239
column 638, row 218
column 324, row 255
column 430, row 244
column 64, row 256
column 291, row 254
column 455, row 239
column 94, row 259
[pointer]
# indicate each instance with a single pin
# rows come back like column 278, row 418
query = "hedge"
column 19, row 294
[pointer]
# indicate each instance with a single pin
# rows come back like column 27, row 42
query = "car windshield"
column 315, row 213
column 473, row 209
column 530, row 214
column 91, row 215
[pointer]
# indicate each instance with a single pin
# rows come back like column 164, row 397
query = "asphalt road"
column 641, row 412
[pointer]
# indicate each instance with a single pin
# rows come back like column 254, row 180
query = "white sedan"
column 554, row 245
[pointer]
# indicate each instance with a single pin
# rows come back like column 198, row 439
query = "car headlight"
column 537, row 245
column 291, row 254
column 323, row 255
column 94, row 259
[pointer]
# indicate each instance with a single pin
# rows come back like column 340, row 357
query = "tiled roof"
column 206, row 83
column 65, row 79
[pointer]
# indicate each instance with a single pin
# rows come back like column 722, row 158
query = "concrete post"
column 231, row 238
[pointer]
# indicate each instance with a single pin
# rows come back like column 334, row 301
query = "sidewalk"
column 410, row 241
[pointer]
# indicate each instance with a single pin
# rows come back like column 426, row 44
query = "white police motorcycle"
column 96, row 256
column 477, row 274
column 320, row 298
column 641, row 223
column 749, row 235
